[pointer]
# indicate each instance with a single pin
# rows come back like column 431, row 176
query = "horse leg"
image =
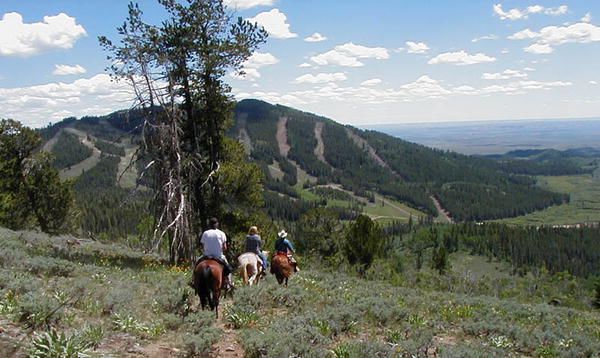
column 286, row 280
column 253, row 276
column 216, row 297
column 244, row 274
column 203, row 299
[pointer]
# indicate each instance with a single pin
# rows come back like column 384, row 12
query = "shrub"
column 53, row 344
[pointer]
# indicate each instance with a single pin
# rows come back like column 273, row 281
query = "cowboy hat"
column 253, row 230
column 282, row 234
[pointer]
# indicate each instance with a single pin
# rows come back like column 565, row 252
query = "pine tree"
column 177, row 70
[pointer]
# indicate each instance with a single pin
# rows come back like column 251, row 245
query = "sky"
column 359, row 62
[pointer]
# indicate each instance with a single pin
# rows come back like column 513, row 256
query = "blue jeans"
column 263, row 258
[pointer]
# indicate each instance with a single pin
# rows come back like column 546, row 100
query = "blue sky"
column 369, row 62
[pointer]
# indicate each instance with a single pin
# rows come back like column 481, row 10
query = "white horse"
column 250, row 267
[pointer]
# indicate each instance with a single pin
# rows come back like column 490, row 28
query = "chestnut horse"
column 208, row 278
column 281, row 268
column 250, row 267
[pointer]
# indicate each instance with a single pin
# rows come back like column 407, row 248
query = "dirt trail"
column 443, row 215
column 228, row 345
column 85, row 164
column 320, row 148
column 363, row 144
column 282, row 138
column 243, row 135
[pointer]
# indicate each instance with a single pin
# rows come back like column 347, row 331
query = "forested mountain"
column 470, row 188
column 299, row 150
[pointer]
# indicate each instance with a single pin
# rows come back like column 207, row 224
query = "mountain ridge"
column 365, row 162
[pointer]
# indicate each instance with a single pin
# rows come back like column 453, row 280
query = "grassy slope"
column 583, row 207
column 120, row 300
column 325, row 313
column 124, row 301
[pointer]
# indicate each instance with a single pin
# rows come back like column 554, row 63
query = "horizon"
column 361, row 63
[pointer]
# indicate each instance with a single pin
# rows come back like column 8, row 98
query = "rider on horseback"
column 283, row 246
column 214, row 242
column 254, row 245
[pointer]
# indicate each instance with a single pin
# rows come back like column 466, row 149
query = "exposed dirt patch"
column 443, row 214
column 12, row 338
column 275, row 171
column 320, row 148
column 228, row 346
column 50, row 144
column 282, row 137
column 364, row 145
column 243, row 135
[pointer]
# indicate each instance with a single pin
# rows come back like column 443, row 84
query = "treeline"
column 478, row 202
column 99, row 128
column 532, row 167
column 68, row 151
column 109, row 148
column 105, row 207
column 576, row 250
column 355, row 170
column 302, row 141
column 470, row 188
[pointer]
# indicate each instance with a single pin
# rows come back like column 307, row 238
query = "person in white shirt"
column 214, row 243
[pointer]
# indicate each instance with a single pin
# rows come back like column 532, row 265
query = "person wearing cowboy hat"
column 284, row 246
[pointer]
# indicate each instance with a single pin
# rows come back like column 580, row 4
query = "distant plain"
column 495, row 137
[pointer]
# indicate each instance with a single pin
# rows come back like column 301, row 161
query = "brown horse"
column 208, row 278
column 281, row 268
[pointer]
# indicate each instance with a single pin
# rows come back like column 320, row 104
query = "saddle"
column 226, row 268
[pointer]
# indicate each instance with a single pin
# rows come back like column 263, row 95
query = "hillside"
column 108, row 300
column 302, row 156
column 469, row 188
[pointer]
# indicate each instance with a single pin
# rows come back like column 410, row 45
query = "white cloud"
column 580, row 33
column 422, row 89
column 539, row 49
column 35, row 106
column 334, row 57
column 247, row 4
column 371, row 82
column 260, row 59
column 416, row 47
column 505, row 75
column 321, row 78
column 252, row 64
column 425, row 86
column 519, row 14
column 549, row 36
column 523, row 35
column 316, row 37
column 305, row 65
column 347, row 55
column 461, row 58
column 55, row 32
column 587, row 18
column 529, row 69
column 246, row 74
column 557, row 11
column 486, row 37
column 593, row 82
column 359, row 51
column 275, row 23
column 65, row 70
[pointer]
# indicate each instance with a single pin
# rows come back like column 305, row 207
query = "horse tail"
column 207, row 275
